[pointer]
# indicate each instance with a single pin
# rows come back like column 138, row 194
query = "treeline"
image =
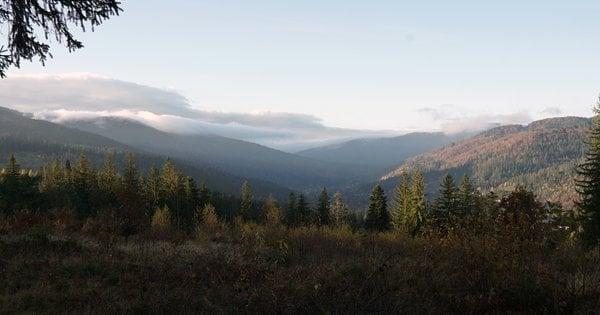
column 90, row 191
column 165, row 198
column 462, row 209
column 162, row 196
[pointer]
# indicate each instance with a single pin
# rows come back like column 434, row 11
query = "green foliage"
column 588, row 185
column 446, row 204
column 378, row 217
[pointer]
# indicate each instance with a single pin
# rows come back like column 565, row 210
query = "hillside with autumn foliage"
column 541, row 156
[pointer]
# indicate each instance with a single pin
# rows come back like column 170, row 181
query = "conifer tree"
column 323, row 208
column 467, row 199
column 445, row 204
column 171, row 183
column 588, row 184
column 418, row 204
column 84, row 185
column 10, row 185
column 108, row 181
column 246, row 203
column 130, row 196
column 378, row 217
column 152, row 187
column 339, row 210
column 292, row 218
column 303, row 211
column 401, row 212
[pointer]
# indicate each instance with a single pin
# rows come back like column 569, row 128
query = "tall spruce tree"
column 84, row 186
column 588, row 185
column 445, row 203
column 378, row 217
column 152, row 189
column 130, row 196
column 467, row 199
column 323, row 208
column 108, row 182
column 418, row 204
column 303, row 211
column 401, row 211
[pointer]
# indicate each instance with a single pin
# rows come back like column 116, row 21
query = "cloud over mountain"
column 65, row 97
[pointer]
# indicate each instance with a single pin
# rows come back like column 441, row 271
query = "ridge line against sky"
column 84, row 96
column 356, row 65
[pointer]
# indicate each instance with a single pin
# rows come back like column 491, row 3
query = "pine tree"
column 402, row 204
column 191, row 202
column 418, row 204
column 130, row 196
column 152, row 187
column 323, row 208
column 171, row 183
column 10, row 185
column 588, row 184
column 445, row 204
column 108, row 182
column 378, row 217
column 85, row 185
column 467, row 200
column 339, row 210
column 246, row 203
column 303, row 211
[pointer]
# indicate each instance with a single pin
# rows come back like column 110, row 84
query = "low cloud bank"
column 68, row 97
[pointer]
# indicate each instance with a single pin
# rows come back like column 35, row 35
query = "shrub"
column 161, row 220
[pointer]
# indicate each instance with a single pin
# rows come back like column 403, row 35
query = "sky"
column 342, row 68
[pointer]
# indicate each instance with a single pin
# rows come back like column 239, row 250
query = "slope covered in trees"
column 36, row 142
column 234, row 156
column 381, row 153
column 541, row 156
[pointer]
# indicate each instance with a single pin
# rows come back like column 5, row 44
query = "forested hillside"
column 241, row 158
column 541, row 156
column 36, row 142
column 381, row 153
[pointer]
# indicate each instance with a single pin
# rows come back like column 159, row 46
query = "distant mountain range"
column 381, row 153
column 35, row 142
column 234, row 156
column 541, row 156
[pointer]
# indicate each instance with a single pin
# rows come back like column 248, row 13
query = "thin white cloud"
column 66, row 97
column 452, row 119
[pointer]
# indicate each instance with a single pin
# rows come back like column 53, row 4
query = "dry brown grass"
column 253, row 268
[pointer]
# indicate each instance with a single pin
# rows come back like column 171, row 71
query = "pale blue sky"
column 376, row 64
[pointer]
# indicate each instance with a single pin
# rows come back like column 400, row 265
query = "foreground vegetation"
column 86, row 239
column 53, row 263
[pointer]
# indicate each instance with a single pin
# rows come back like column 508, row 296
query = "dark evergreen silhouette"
column 31, row 25
column 378, row 217
column 324, row 208
column 588, row 184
